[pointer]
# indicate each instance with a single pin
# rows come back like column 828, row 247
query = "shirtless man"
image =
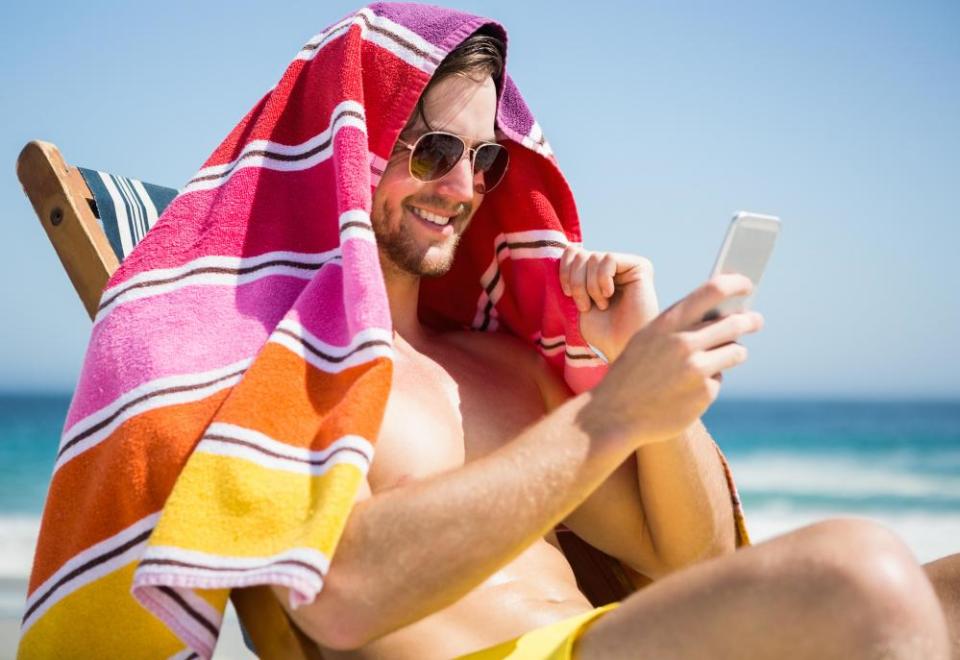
column 483, row 451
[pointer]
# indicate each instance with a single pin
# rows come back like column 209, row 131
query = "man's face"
column 406, row 240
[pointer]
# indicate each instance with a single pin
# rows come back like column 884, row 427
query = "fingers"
column 712, row 362
column 691, row 310
column 600, row 272
column 724, row 331
column 573, row 277
column 592, row 277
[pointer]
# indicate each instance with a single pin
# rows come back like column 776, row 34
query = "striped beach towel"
column 240, row 360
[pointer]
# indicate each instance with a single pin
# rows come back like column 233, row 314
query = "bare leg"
column 945, row 576
column 838, row 589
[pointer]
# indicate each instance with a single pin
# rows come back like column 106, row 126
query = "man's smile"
column 436, row 222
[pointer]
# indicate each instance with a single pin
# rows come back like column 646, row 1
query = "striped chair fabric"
column 125, row 208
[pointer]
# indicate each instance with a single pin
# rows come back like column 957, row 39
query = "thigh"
column 945, row 576
column 802, row 595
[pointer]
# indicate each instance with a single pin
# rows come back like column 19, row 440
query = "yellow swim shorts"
column 553, row 642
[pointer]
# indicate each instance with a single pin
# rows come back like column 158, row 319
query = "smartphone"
column 746, row 249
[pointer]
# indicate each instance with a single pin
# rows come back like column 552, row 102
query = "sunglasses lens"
column 434, row 155
column 491, row 161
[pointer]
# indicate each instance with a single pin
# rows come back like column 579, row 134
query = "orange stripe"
column 118, row 482
column 292, row 401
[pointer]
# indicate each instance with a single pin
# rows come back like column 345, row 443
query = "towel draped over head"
column 240, row 361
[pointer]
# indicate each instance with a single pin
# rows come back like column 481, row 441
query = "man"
column 483, row 450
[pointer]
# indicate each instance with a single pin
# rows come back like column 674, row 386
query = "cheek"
column 395, row 186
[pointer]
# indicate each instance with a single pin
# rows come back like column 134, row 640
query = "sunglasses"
column 436, row 153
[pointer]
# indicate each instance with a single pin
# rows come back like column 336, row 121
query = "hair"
column 477, row 57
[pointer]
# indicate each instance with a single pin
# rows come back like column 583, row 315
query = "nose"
column 458, row 184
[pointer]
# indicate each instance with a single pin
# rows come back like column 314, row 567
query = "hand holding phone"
column 746, row 249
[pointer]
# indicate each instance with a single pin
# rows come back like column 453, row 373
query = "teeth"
column 430, row 217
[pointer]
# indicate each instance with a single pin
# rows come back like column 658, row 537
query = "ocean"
column 795, row 462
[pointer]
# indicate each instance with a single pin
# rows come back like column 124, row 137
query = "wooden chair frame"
column 65, row 208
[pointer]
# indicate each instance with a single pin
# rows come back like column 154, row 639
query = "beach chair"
column 94, row 220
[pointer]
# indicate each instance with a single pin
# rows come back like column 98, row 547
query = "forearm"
column 415, row 549
column 686, row 501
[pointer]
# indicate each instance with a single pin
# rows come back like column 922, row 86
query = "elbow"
column 694, row 551
column 334, row 621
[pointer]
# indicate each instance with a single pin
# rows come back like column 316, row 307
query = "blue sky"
column 842, row 118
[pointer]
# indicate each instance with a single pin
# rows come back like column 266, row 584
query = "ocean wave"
column 18, row 538
column 842, row 476
column 930, row 536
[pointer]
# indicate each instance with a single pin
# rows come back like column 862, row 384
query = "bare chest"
column 449, row 410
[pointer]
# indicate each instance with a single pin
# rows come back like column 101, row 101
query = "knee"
column 864, row 570
column 862, row 558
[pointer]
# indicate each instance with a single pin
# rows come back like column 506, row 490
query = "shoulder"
column 516, row 354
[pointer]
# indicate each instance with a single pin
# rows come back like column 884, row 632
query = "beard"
column 397, row 242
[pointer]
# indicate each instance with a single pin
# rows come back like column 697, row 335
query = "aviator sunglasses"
column 434, row 154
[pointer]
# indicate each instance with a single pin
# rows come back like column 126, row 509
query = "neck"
column 403, row 293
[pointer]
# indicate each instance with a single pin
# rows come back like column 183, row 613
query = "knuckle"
column 682, row 346
column 692, row 366
column 645, row 266
column 714, row 286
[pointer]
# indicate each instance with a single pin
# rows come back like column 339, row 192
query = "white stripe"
column 227, row 572
column 147, row 202
column 360, row 357
column 290, row 459
column 123, row 223
column 406, row 34
column 149, row 403
column 219, row 448
column 555, row 350
column 537, row 235
column 136, row 218
column 318, row 41
column 594, row 361
column 131, row 290
column 385, row 42
column 225, row 171
column 231, row 280
column 168, row 552
column 183, row 655
column 532, row 141
column 364, row 233
column 222, row 261
column 548, row 252
column 95, row 572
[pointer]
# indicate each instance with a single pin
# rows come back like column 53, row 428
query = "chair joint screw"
column 56, row 216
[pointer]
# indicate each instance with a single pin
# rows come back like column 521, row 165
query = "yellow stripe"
column 100, row 620
column 232, row 507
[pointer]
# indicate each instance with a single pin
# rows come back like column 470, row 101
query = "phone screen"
column 745, row 250
column 750, row 248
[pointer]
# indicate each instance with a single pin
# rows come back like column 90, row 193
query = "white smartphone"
column 746, row 250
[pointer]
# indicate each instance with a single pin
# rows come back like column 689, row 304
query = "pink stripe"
column 353, row 171
column 322, row 309
column 363, row 280
column 256, row 211
column 224, row 324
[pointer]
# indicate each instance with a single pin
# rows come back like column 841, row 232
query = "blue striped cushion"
column 126, row 208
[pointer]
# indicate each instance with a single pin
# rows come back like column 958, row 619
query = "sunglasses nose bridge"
column 461, row 177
